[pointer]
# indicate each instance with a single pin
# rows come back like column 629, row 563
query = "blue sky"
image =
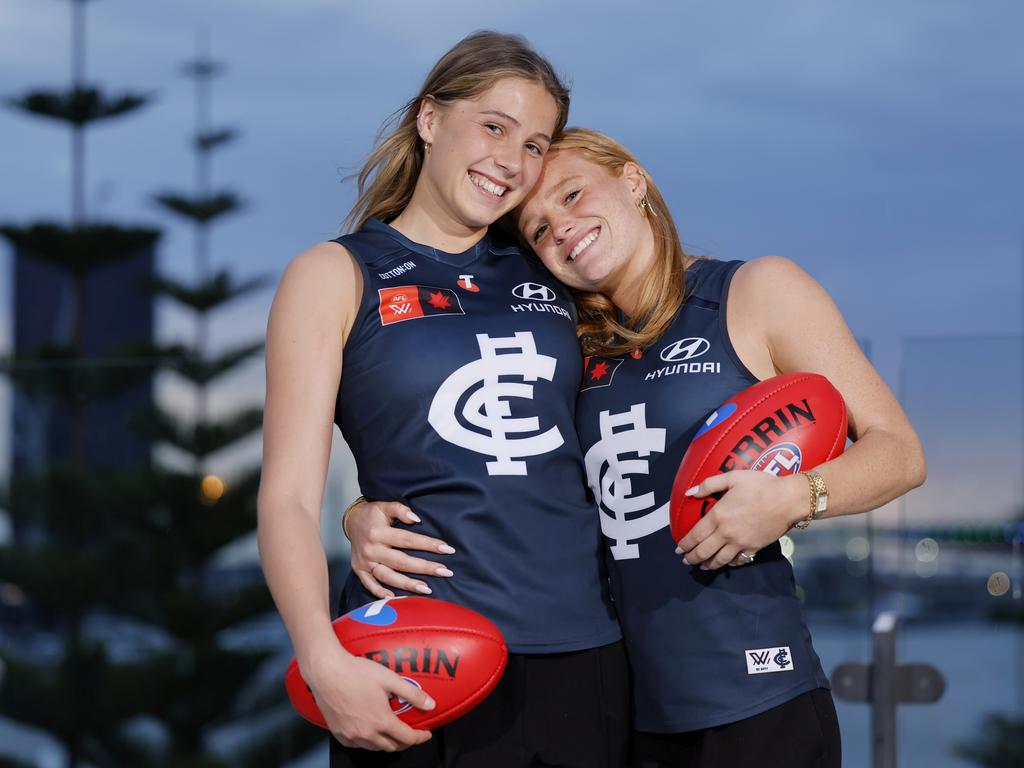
column 878, row 144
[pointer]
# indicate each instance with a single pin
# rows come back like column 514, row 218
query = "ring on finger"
column 747, row 558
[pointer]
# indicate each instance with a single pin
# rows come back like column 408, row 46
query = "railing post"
column 883, row 684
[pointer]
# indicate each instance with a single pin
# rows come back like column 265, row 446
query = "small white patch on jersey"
column 774, row 659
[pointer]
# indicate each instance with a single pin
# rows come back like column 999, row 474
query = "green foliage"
column 999, row 745
column 198, row 208
column 80, row 249
column 61, row 372
column 201, row 370
column 202, row 68
column 83, row 692
column 207, row 294
column 78, row 106
column 97, row 549
column 210, row 436
column 204, row 142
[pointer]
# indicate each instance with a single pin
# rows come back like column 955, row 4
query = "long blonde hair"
column 598, row 329
column 473, row 65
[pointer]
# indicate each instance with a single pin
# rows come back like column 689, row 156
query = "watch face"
column 822, row 504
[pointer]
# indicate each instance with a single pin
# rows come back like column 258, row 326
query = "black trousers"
column 561, row 710
column 801, row 733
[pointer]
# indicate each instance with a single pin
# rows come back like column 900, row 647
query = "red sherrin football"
column 783, row 425
column 454, row 654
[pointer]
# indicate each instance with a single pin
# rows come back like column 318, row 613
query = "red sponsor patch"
column 409, row 302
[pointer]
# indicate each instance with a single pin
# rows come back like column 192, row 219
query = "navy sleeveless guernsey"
column 457, row 397
column 706, row 647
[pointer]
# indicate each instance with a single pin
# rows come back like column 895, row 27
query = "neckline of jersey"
column 694, row 271
column 463, row 259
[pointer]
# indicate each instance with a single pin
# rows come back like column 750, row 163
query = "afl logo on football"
column 782, row 460
column 533, row 292
column 398, row 704
column 685, row 349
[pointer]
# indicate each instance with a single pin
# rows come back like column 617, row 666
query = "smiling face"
column 584, row 224
column 485, row 153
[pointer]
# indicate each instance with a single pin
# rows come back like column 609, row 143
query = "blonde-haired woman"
column 458, row 367
column 724, row 672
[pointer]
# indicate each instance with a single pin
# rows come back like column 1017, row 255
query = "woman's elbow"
column 917, row 469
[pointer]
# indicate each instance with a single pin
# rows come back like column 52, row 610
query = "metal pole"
column 883, row 698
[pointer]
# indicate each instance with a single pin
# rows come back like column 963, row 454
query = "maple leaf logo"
column 599, row 371
column 439, row 301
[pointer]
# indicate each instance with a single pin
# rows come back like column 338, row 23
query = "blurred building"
column 118, row 316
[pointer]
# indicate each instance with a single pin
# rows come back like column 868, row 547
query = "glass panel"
column 947, row 557
column 957, row 573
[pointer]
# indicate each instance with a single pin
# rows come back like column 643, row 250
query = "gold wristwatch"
column 819, row 498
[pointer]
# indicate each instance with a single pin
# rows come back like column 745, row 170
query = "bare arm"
column 801, row 329
column 310, row 319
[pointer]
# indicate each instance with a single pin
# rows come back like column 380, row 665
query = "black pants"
column 802, row 733
column 561, row 710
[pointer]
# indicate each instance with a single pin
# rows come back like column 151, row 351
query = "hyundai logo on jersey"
column 685, row 349
column 533, row 292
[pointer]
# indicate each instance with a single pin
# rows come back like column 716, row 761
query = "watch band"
column 819, row 498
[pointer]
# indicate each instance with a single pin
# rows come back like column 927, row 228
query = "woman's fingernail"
column 679, row 551
column 685, row 561
column 691, row 491
column 414, row 517
column 444, row 572
column 423, row 589
column 704, row 568
column 445, row 549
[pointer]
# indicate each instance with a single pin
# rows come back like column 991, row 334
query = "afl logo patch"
column 533, row 292
column 685, row 349
column 781, row 460
column 377, row 613
column 716, row 418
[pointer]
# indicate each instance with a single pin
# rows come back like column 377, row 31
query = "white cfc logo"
column 484, row 385
column 623, row 434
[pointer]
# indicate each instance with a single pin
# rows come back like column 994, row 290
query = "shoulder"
column 322, row 280
column 323, row 260
column 779, row 284
column 322, row 269
column 776, row 273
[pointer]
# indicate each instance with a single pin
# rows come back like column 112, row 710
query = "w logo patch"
column 409, row 302
column 775, row 659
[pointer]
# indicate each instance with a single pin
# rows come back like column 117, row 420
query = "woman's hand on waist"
column 378, row 558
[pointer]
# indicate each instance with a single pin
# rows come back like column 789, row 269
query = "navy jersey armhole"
column 365, row 303
column 723, row 324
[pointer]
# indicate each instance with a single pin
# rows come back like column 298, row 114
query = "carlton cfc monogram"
column 624, row 434
column 485, row 387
